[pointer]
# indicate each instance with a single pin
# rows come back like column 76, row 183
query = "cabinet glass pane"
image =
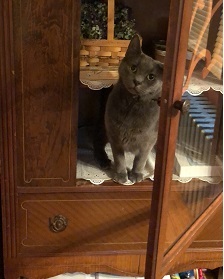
column 198, row 166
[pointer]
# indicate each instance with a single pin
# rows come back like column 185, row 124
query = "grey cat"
column 132, row 111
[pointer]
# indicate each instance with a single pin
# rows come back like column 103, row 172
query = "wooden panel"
column 97, row 222
column 46, row 73
column 183, row 243
column 45, row 267
column 206, row 251
column 151, row 21
column 212, row 234
column 193, row 258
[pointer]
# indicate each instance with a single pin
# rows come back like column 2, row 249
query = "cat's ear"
column 160, row 66
column 134, row 47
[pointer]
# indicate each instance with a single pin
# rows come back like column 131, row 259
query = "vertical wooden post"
column 177, row 38
column 110, row 20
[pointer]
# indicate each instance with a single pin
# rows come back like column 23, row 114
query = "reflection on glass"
column 206, row 46
column 186, row 203
column 199, row 149
column 198, row 167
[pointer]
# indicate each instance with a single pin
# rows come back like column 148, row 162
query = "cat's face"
column 140, row 74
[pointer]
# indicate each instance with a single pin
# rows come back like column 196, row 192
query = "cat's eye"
column 150, row 77
column 133, row 68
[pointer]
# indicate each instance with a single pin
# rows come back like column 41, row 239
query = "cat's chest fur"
column 137, row 115
column 134, row 119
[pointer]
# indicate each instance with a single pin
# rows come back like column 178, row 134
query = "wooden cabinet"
column 53, row 223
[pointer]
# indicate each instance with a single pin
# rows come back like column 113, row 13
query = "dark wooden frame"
column 174, row 68
column 158, row 261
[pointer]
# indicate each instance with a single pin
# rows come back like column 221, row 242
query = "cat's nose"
column 137, row 82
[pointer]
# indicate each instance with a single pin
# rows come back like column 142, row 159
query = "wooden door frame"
column 177, row 39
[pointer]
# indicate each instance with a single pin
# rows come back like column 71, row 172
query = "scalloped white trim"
column 195, row 90
column 210, row 180
column 88, row 169
column 97, row 85
column 198, row 85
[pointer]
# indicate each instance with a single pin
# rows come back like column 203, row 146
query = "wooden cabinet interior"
column 106, row 226
column 151, row 22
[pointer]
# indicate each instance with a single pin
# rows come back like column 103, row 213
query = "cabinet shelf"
column 97, row 78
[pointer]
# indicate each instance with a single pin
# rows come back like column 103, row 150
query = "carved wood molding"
column 7, row 99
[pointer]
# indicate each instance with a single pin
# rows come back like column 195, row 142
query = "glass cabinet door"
column 198, row 167
column 189, row 165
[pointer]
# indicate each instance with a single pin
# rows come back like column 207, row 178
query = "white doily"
column 80, row 275
column 198, row 85
column 195, row 87
column 98, row 84
column 88, row 169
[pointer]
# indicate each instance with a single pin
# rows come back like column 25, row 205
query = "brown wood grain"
column 8, row 131
column 45, row 267
column 194, row 258
column 205, row 251
column 45, row 96
column 190, row 234
column 212, row 234
column 174, row 67
column 110, row 26
column 97, row 223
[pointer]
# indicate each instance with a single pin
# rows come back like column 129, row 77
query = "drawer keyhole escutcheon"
column 58, row 223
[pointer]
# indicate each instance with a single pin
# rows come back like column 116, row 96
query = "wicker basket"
column 103, row 53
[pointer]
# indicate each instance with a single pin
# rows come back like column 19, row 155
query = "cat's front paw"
column 120, row 177
column 136, row 176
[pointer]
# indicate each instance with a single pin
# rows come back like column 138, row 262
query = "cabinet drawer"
column 83, row 223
